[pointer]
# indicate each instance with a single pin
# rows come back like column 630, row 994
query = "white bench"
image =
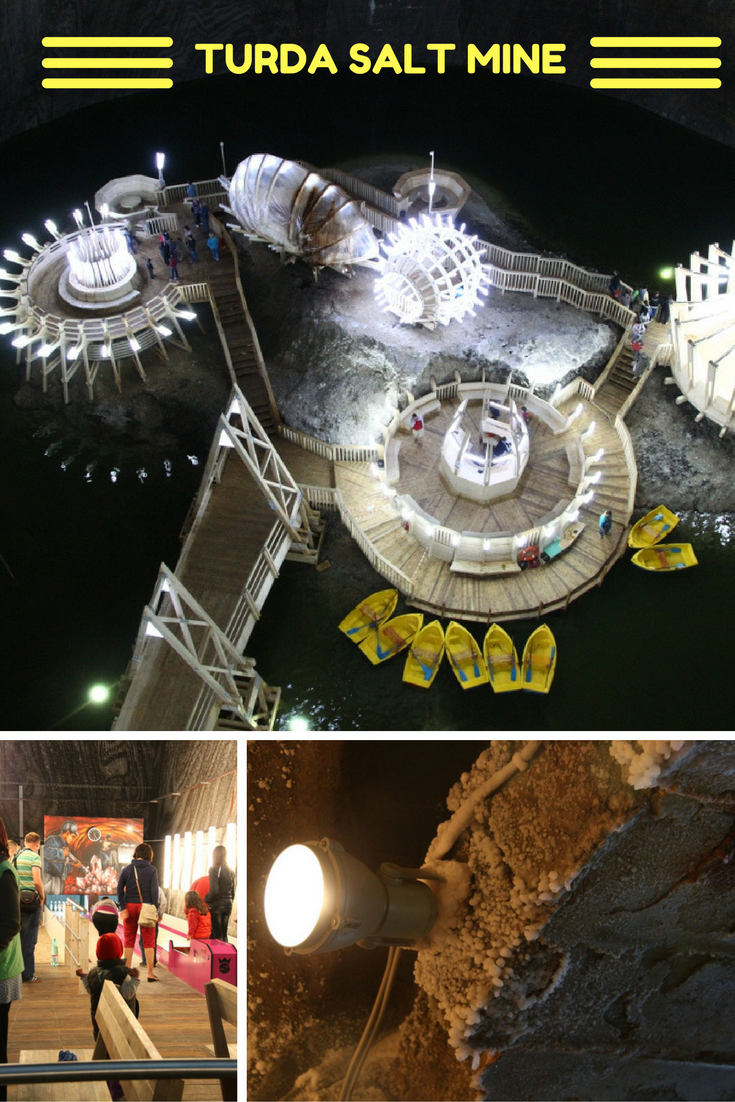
column 499, row 566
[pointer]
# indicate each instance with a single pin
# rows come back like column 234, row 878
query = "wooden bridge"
column 263, row 483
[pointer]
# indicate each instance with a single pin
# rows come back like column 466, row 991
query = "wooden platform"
column 544, row 484
column 228, row 541
column 53, row 1015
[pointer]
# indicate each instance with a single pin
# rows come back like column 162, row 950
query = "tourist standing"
column 221, row 893
column 28, row 866
column 191, row 190
column 213, row 245
column 191, row 245
column 173, row 264
column 417, row 428
column 614, row 285
column 11, row 954
column 149, row 266
column 204, row 212
column 138, row 884
column 605, row 525
column 196, row 213
column 164, row 247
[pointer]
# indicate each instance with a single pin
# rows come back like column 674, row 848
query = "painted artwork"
column 84, row 856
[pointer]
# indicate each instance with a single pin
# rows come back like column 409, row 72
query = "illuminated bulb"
column 78, row 217
column 160, row 160
column 150, row 629
column 73, row 352
column 22, row 341
column 105, row 349
column 98, row 694
column 11, row 254
column 189, row 315
column 596, row 477
column 46, row 349
column 225, row 441
column 51, row 227
column 30, row 241
column 164, row 330
column 134, row 344
column 294, row 895
column 104, row 210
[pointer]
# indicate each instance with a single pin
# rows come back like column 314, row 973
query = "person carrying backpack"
column 110, row 966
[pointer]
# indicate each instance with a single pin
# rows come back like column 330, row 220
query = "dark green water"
column 641, row 652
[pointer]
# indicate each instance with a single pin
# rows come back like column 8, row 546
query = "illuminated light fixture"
column 186, row 871
column 78, row 217
column 11, row 254
column 598, row 455
column 211, row 843
column 167, row 861
column 431, row 273
column 596, row 477
column 588, row 431
column 574, row 516
column 52, row 228
column 6, row 328
column 29, row 240
column 666, row 273
column 587, row 498
column 188, row 315
column 234, row 408
column 12, row 277
column 98, row 694
column 104, row 210
column 164, row 330
column 134, row 344
column 199, row 867
column 298, row 724
column 73, row 351
column 177, row 862
column 225, row 440
column 455, row 539
column 160, row 162
column 22, row 341
column 231, row 844
column 319, row 898
column 105, row 349
column 150, row 629
column 46, row 350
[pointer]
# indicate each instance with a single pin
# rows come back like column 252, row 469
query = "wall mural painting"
column 84, row 856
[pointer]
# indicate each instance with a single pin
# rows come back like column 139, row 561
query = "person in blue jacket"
column 139, row 874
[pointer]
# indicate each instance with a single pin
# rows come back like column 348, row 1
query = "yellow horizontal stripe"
column 107, row 82
column 648, row 42
column 107, row 63
column 655, row 82
column 102, row 42
column 655, row 63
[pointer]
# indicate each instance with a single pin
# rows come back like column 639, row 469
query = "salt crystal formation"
column 644, row 765
column 481, row 962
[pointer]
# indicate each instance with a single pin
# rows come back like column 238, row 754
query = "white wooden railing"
column 161, row 223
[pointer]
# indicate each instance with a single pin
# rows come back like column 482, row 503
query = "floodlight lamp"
column 98, row 694
column 11, row 254
column 318, row 898
column 51, row 227
column 164, row 330
column 22, row 342
column 160, row 160
column 188, row 315
column 78, row 217
column 29, row 240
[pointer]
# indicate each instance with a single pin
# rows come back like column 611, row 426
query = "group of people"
column 207, row 906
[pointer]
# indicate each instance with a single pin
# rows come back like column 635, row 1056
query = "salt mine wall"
column 600, row 878
column 342, row 23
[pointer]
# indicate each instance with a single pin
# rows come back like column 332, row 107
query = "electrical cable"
column 373, row 1024
column 441, row 845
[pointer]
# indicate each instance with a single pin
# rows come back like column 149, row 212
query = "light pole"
column 432, row 183
column 89, row 212
column 222, row 154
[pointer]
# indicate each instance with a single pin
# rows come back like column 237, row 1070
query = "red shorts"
column 130, row 926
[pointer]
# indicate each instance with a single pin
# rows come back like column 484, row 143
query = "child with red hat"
column 110, row 966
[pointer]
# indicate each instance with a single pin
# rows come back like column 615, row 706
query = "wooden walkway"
column 53, row 1015
column 544, row 484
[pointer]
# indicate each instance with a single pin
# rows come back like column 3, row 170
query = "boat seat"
column 424, row 655
column 501, row 659
column 392, row 634
column 463, row 656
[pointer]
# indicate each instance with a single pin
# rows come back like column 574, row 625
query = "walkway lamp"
column 160, row 161
column 52, row 229
column 319, row 898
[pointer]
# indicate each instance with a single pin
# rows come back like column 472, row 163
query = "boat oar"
column 460, row 672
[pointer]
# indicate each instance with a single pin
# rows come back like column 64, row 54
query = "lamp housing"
column 319, row 898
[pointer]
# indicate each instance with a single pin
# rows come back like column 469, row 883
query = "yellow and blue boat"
column 652, row 528
column 539, row 660
column 391, row 637
column 666, row 556
column 425, row 655
column 369, row 614
column 502, row 660
column 465, row 656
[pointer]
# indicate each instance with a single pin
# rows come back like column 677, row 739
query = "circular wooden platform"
column 545, row 483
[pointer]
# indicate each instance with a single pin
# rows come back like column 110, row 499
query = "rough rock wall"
column 339, row 23
column 71, row 777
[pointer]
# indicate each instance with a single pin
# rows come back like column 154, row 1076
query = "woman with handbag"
column 137, row 894
column 11, row 956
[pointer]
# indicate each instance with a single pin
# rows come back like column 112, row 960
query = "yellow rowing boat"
column 652, row 527
column 539, row 660
column 502, row 660
column 425, row 655
column 666, row 556
column 369, row 614
column 465, row 656
column 391, row 637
